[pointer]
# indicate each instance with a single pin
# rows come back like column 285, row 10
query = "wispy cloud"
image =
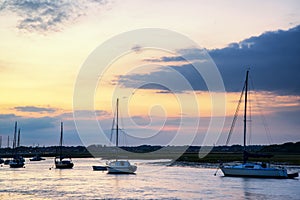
column 34, row 109
column 48, row 15
column 191, row 54
column 137, row 48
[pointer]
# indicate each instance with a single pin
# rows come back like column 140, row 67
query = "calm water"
column 153, row 181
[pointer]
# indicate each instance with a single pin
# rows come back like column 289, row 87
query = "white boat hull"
column 121, row 167
column 276, row 173
column 254, row 170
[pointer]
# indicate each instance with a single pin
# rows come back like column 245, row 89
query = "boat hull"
column 121, row 167
column 116, row 170
column 99, row 168
column 63, row 164
column 37, row 158
column 16, row 164
column 254, row 173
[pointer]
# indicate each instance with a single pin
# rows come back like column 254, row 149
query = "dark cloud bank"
column 273, row 59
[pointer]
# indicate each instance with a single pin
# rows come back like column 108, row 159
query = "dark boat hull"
column 64, row 166
column 16, row 164
column 293, row 175
column 99, row 168
column 37, row 158
column 6, row 162
column 63, row 163
column 120, row 172
column 20, row 165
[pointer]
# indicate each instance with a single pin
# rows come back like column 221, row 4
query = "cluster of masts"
column 16, row 138
column 64, row 162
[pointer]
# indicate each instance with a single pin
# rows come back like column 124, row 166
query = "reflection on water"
column 153, row 180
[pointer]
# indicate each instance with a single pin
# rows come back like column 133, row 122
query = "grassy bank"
column 278, row 158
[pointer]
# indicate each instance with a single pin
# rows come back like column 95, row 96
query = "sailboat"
column 60, row 161
column 120, row 166
column 17, row 161
column 250, row 169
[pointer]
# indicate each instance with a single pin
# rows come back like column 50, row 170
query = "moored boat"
column 250, row 169
column 257, row 170
column 63, row 163
column 37, row 158
column 120, row 166
column 17, row 161
column 99, row 168
column 60, row 161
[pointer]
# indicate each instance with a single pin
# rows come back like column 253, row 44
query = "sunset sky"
column 44, row 45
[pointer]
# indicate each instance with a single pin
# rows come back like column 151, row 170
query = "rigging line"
column 122, row 127
column 235, row 116
column 124, row 137
column 112, row 127
column 250, row 120
column 121, row 119
column 264, row 121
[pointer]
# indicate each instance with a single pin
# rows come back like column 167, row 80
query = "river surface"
column 153, row 180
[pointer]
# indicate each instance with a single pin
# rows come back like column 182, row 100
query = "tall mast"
column 15, row 135
column 61, row 139
column 18, row 141
column 8, row 141
column 245, row 111
column 117, row 133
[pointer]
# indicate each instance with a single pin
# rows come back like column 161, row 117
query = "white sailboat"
column 250, row 169
column 120, row 166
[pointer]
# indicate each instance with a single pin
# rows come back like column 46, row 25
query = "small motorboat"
column 37, row 158
column 99, row 168
column 121, row 167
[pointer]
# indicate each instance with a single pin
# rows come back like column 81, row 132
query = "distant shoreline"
column 287, row 153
